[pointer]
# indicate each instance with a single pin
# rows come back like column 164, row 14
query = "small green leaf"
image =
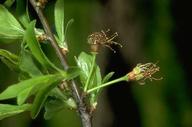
column 8, row 55
column 98, row 76
column 70, row 102
column 65, row 96
column 41, row 97
column 23, row 95
column 7, row 110
column 59, row 20
column 23, row 76
column 35, row 47
column 9, row 26
column 44, row 91
column 52, row 106
column 107, row 77
column 27, row 64
column 11, row 66
column 10, row 59
column 9, row 3
column 22, row 12
column 84, row 62
column 58, row 94
column 56, row 102
column 73, row 72
column 69, row 23
column 35, row 88
column 94, row 95
column 36, row 82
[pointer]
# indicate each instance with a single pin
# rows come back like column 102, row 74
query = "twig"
column 85, row 117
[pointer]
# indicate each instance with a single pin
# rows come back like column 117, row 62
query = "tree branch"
column 85, row 117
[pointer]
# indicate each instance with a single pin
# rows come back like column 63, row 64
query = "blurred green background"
column 150, row 31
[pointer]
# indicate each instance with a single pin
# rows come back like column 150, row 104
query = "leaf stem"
column 82, row 109
column 91, row 72
column 124, row 78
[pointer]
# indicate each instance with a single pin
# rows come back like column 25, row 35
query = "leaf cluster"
column 41, row 82
column 38, row 76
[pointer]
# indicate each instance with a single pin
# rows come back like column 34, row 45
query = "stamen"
column 110, row 48
column 107, row 30
column 113, row 42
column 112, row 37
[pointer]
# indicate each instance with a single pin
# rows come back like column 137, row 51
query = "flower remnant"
column 100, row 38
column 144, row 71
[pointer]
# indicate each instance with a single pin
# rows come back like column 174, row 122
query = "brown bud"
column 41, row 3
column 64, row 51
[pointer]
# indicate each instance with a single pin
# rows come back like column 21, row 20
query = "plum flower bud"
column 144, row 71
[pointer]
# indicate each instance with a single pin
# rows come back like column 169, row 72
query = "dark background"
column 150, row 31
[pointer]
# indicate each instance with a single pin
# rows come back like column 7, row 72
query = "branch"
column 85, row 117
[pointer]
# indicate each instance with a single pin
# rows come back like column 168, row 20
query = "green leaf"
column 23, row 95
column 52, row 106
column 58, row 94
column 84, row 62
column 98, row 76
column 69, row 23
column 35, row 47
column 27, row 64
column 23, row 76
column 107, row 77
column 9, row 26
column 37, row 87
column 65, row 96
column 22, row 12
column 10, row 59
column 73, row 72
column 36, row 82
column 7, row 110
column 44, row 91
column 93, row 96
column 45, row 85
column 8, row 3
column 56, row 101
column 59, row 20
column 41, row 97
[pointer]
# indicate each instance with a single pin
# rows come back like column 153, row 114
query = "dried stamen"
column 144, row 71
column 100, row 38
